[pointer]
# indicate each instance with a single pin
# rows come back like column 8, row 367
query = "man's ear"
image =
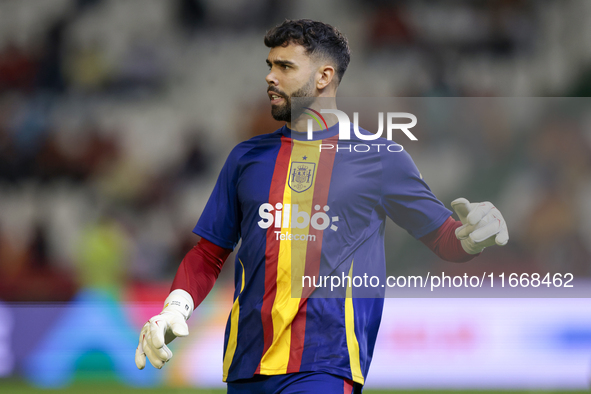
column 327, row 73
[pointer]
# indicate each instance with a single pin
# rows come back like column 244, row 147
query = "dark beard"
column 305, row 99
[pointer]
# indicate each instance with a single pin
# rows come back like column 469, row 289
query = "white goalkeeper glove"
column 482, row 225
column 161, row 329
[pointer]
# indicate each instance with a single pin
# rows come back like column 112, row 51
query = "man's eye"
column 285, row 66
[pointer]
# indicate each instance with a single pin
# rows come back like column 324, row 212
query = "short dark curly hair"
column 318, row 38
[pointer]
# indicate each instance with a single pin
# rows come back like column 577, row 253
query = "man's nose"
column 271, row 79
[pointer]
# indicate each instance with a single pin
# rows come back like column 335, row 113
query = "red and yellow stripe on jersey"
column 284, row 316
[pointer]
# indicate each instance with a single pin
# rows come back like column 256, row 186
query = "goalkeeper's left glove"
column 482, row 225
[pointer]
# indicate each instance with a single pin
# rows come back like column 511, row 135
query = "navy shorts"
column 295, row 383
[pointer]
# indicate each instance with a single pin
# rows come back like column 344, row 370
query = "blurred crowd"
column 116, row 115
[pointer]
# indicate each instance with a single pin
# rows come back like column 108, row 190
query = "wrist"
column 470, row 248
column 179, row 301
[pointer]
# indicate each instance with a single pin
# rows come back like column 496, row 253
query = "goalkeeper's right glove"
column 161, row 329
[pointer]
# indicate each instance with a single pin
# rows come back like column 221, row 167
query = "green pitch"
column 19, row 387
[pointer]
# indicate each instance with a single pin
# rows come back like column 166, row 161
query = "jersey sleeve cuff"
column 213, row 239
column 434, row 225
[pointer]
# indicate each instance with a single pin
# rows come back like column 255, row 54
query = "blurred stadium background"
column 116, row 116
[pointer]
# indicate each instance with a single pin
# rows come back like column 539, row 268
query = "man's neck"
column 301, row 123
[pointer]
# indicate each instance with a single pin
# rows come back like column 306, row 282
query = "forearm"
column 444, row 243
column 200, row 269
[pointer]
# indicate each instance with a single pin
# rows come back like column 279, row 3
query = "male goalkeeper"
column 292, row 204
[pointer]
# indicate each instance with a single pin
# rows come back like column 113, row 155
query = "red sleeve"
column 200, row 269
column 443, row 242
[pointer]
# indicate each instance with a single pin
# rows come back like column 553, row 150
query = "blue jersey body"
column 305, row 210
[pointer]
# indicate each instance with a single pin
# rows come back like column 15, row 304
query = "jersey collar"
column 317, row 135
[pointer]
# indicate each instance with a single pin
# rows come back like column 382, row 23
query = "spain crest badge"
column 301, row 176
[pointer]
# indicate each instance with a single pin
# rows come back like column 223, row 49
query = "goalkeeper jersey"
column 311, row 209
